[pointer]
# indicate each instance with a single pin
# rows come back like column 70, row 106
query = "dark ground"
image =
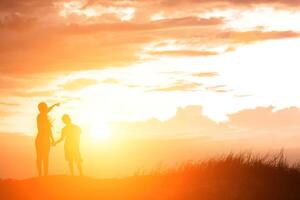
column 235, row 177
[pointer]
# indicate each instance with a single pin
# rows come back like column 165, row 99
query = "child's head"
column 43, row 107
column 66, row 119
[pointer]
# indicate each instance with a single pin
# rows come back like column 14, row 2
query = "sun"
column 100, row 130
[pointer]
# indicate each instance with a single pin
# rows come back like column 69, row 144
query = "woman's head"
column 43, row 107
column 66, row 119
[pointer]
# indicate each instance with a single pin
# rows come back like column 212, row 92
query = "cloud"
column 178, row 86
column 146, row 26
column 35, row 38
column 16, row 22
column 218, row 88
column 256, row 36
column 22, row 85
column 9, row 104
column 251, row 2
column 259, row 123
column 267, row 119
column 231, row 39
column 34, row 93
column 110, row 81
column 187, row 122
column 222, row 91
column 78, row 84
column 48, row 49
column 26, row 6
column 4, row 114
column 176, row 3
column 144, row 8
column 206, row 74
column 184, row 53
column 8, row 83
column 242, row 95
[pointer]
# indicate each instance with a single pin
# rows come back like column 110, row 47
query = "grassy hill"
column 240, row 177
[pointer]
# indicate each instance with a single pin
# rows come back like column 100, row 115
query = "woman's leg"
column 39, row 165
column 46, row 165
column 38, row 159
column 45, row 160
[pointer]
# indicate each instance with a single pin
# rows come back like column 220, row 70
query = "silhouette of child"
column 44, row 137
column 71, row 134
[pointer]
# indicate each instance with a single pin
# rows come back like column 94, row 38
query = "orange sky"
column 149, row 79
column 129, row 64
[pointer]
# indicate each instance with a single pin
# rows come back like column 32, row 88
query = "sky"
column 181, row 68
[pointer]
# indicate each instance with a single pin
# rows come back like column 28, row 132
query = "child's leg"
column 79, row 167
column 71, row 167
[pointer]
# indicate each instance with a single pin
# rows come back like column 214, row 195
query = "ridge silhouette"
column 231, row 177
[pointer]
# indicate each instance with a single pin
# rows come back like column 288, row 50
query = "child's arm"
column 51, row 107
column 52, row 138
column 60, row 139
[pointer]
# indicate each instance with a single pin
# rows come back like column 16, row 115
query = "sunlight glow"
column 99, row 130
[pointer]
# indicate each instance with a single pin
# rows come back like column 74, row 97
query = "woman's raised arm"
column 51, row 107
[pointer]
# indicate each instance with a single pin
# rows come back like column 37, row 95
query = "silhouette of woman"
column 44, row 137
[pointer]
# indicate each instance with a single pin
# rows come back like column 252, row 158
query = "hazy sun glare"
column 99, row 130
